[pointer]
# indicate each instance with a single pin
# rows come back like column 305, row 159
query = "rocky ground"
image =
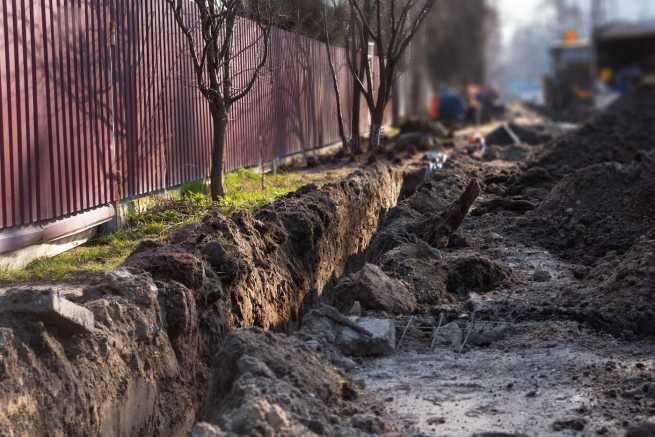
column 454, row 292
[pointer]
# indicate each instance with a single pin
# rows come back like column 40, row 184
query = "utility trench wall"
column 146, row 366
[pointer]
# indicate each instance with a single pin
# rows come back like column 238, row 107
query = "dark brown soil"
column 620, row 291
column 621, row 135
column 145, row 367
column 271, row 384
column 476, row 274
column 599, row 209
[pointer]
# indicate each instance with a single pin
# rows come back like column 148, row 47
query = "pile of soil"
column 271, row 384
column 419, row 125
column 599, row 209
column 596, row 185
column 511, row 152
column 620, row 291
column 620, row 134
column 475, row 273
column 402, row 254
column 262, row 265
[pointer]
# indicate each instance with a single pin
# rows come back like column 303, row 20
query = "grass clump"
column 106, row 252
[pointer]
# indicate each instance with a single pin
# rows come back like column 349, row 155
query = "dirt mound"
column 402, row 223
column 262, row 265
column 621, row 297
column 143, row 349
column 422, row 269
column 597, row 210
column 621, row 134
column 475, row 274
column 158, row 324
column 270, row 384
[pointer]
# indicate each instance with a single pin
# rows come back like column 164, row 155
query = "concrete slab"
column 380, row 342
column 50, row 307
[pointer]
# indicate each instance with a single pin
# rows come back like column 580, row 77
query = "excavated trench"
column 520, row 289
column 148, row 363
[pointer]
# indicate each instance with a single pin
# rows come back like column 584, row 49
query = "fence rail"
column 97, row 104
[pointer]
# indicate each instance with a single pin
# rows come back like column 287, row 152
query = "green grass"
column 243, row 188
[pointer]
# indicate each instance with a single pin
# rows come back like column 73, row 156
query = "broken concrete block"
column 380, row 342
column 451, row 334
column 379, row 328
column 52, row 309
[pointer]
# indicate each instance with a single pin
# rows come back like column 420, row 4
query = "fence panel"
column 55, row 96
column 98, row 103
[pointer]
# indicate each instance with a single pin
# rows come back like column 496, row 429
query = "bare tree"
column 389, row 26
column 209, row 28
column 335, row 82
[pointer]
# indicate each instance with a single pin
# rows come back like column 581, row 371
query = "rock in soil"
column 336, row 334
column 572, row 423
column 375, row 291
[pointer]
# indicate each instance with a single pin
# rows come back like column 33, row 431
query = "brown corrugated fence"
column 98, row 104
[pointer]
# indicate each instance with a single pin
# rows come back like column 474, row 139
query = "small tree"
column 335, row 80
column 209, row 29
column 388, row 26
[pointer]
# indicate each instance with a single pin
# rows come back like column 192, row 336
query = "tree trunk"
column 219, row 120
column 375, row 132
column 355, row 144
column 437, row 231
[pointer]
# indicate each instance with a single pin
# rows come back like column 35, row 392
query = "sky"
column 515, row 13
column 532, row 61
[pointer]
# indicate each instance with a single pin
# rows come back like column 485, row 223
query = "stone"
column 541, row 276
column 51, row 308
column 375, row 291
column 356, row 309
column 450, row 333
column 646, row 429
column 380, row 341
column 370, row 423
column 573, row 423
column 277, row 418
column 254, row 366
column 205, row 429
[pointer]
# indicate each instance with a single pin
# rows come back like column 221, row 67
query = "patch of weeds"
column 194, row 187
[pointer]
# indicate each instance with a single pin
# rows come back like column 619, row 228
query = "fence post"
column 113, row 153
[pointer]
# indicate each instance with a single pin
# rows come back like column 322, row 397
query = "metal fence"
column 97, row 104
